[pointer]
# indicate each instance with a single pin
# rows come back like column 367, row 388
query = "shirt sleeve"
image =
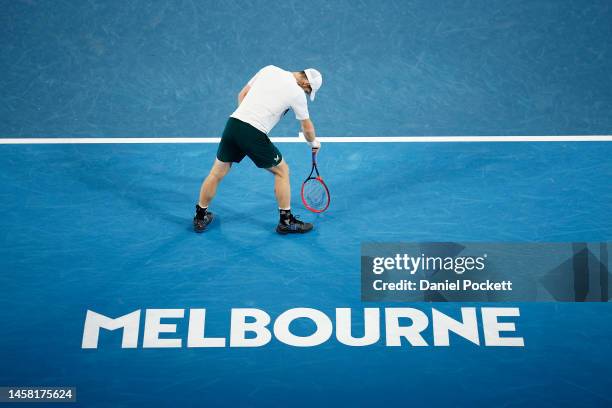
column 300, row 107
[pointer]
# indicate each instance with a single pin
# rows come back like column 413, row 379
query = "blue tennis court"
column 106, row 227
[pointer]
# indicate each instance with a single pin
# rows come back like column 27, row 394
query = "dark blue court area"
column 107, row 227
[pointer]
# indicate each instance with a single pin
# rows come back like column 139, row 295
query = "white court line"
column 360, row 139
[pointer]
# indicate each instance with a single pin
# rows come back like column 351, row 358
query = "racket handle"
column 314, row 156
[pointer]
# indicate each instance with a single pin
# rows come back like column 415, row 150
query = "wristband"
column 315, row 144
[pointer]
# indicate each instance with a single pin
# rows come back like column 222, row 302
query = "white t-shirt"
column 273, row 91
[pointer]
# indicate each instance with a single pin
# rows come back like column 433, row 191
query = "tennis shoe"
column 293, row 226
column 200, row 224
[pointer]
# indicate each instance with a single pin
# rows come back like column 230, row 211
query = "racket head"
column 315, row 194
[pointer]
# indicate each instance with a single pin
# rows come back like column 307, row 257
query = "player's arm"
column 243, row 93
column 308, row 130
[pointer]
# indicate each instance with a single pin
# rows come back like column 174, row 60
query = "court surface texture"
column 107, row 226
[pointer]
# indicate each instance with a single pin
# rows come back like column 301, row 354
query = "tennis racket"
column 315, row 194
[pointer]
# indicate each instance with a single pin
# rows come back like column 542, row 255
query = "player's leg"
column 282, row 186
column 287, row 223
column 227, row 153
column 203, row 217
column 260, row 149
column 209, row 187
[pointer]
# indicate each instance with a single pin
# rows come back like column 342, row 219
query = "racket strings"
column 315, row 194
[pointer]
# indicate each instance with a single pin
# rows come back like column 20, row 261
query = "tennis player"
column 261, row 104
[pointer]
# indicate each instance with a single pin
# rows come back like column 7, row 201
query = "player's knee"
column 219, row 171
column 217, row 174
column 283, row 170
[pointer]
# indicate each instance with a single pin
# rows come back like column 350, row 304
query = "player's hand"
column 315, row 145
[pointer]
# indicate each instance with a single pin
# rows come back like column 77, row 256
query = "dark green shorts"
column 241, row 139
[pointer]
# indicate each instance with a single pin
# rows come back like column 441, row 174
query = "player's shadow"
column 101, row 176
column 229, row 214
column 152, row 193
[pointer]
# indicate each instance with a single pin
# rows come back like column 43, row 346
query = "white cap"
column 315, row 79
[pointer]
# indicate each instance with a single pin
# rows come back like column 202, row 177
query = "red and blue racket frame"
column 315, row 194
